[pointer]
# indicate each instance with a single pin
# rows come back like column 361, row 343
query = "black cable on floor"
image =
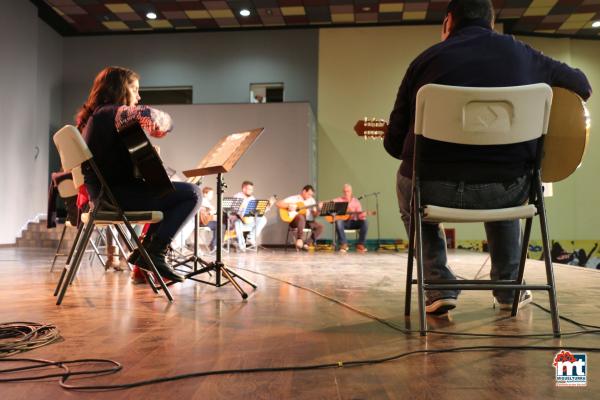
column 16, row 337
column 594, row 330
column 40, row 335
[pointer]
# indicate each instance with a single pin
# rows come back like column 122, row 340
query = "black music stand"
column 231, row 206
column 221, row 159
column 256, row 209
column 333, row 209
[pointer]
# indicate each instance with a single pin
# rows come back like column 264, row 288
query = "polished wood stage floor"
column 207, row 328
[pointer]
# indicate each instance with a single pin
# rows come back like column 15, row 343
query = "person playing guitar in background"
column 112, row 105
column 208, row 214
column 247, row 224
column 302, row 209
column 355, row 218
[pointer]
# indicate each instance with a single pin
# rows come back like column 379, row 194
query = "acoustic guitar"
column 564, row 144
column 205, row 216
column 345, row 217
column 288, row 216
column 146, row 159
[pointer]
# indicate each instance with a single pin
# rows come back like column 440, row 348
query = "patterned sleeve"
column 156, row 123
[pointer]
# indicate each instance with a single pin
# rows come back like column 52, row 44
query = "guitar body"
column 205, row 217
column 330, row 219
column 146, row 159
column 288, row 216
column 345, row 217
column 567, row 137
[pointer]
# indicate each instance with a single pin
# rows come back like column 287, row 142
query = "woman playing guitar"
column 112, row 106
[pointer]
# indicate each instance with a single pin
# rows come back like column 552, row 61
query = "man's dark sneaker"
column 440, row 306
column 506, row 304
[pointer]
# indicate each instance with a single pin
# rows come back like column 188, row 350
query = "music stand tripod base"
column 221, row 159
column 217, row 266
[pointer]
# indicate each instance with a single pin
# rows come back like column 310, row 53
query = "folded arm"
column 155, row 123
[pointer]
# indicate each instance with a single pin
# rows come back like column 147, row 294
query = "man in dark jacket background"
column 471, row 54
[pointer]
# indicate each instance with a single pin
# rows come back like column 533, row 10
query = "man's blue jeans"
column 361, row 224
column 504, row 237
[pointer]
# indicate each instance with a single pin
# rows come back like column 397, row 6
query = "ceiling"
column 571, row 18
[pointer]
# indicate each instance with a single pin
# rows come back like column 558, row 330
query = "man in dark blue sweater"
column 471, row 54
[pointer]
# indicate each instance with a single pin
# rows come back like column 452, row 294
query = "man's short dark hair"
column 246, row 183
column 307, row 188
column 464, row 11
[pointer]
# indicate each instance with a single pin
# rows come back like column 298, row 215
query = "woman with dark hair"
column 111, row 106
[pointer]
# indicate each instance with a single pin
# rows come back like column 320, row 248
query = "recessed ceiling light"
column 366, row 8
column 244, row 12
column 596, row 24
column 151, row 15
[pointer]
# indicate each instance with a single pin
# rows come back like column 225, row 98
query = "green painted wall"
column 360, row 70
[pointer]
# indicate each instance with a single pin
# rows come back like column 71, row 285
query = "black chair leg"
column 409, row 267
column 75, row 242
column 522, row 261
column 420, row 268
column 72, row 269
column 74, row 250
column 128, row 244
column 548, row 263
column 57, row 253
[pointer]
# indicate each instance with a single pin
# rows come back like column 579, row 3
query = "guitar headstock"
column 371, row 128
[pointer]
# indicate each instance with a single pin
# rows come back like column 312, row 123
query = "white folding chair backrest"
column 78, row 179
column 66, row 188
column 483, row 116
column 72, row 149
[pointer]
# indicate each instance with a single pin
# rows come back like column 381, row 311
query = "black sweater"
column 474, row 56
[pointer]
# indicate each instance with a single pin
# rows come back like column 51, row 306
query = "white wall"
column 218, row 65
column 29, row 93
column 279, row 162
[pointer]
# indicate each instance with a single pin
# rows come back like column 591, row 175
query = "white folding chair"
column 73, row 152
column 480, row 116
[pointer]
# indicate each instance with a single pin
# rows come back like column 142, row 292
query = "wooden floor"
column 105, row 316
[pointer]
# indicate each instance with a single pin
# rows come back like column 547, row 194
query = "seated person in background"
column 471, row 54
column 110, row 107
column 252, row 225
column 208, row 215
column 303, row 216
column 357, row 219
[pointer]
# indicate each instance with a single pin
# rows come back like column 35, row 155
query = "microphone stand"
column 376, row 194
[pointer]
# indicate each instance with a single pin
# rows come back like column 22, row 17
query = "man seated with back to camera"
column 471, row 54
